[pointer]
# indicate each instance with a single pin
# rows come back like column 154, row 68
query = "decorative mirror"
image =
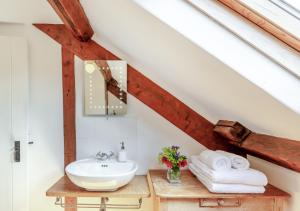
column 105, row 87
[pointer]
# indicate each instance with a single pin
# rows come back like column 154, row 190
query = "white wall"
column 190, row 73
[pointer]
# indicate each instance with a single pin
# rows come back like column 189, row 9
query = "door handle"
column 17, row 151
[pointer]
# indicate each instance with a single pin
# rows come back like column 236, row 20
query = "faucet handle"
column 99, row 154
column 111, row 154
column 104, row 156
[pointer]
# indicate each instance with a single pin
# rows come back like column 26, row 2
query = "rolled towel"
column 215, row 160
column 224, row 188
column 237, row 162
column 231, row 176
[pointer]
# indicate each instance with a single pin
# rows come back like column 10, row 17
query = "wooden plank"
column 68, row 79
column 191, row 188
column 281, row 151
column 73, row 16
column 155, row 199
column 144, row 89
column 263, row 23
column 280, row 205
column 69, row 107
column 137, row 188
column 89, row 50
column 70, row 202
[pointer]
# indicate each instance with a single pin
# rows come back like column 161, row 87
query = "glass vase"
column 173, row 176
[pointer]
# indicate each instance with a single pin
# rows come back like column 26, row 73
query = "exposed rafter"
column 143, row 89
column 281, row 151
column 73, row 16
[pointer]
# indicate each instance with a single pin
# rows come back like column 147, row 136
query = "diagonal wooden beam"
column 89, row 50
column 144, row 89
column 73, row 16
column 281, row 151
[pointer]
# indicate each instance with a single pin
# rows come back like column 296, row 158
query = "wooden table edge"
column 96, row 194
column 163, row 196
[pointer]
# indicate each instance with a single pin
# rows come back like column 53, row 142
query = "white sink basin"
column 94, row 175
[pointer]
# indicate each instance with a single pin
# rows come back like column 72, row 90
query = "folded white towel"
column 225, row 188
column 231, row 176
column 237, row 162
column 215, row 160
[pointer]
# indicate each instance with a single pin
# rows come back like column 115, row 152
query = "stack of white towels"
column 224, row 172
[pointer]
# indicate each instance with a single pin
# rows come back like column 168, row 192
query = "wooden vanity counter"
column 192, row 195
column 137, row 188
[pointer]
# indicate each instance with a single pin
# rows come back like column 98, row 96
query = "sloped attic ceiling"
column 184, row 69
column 248, row 50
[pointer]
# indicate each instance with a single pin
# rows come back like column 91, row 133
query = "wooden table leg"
column 70, row 202
column 279, row 204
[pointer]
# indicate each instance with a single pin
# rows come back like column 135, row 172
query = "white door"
column 13, row 123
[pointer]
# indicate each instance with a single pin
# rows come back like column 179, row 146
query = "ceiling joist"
column 73, row 16
column 281, row 151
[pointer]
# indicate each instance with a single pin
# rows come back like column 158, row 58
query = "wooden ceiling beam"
column 281, row 151
column 73, row 16
column 144, row 89
column 263, row 23
column 84, row 50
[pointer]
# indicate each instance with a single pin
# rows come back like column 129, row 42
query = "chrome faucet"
column 102, row 156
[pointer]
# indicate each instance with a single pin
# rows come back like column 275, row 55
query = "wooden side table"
column 191, row 195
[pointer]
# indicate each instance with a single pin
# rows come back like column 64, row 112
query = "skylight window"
column 283, row 13
column 293, row 3
column 292, row 7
